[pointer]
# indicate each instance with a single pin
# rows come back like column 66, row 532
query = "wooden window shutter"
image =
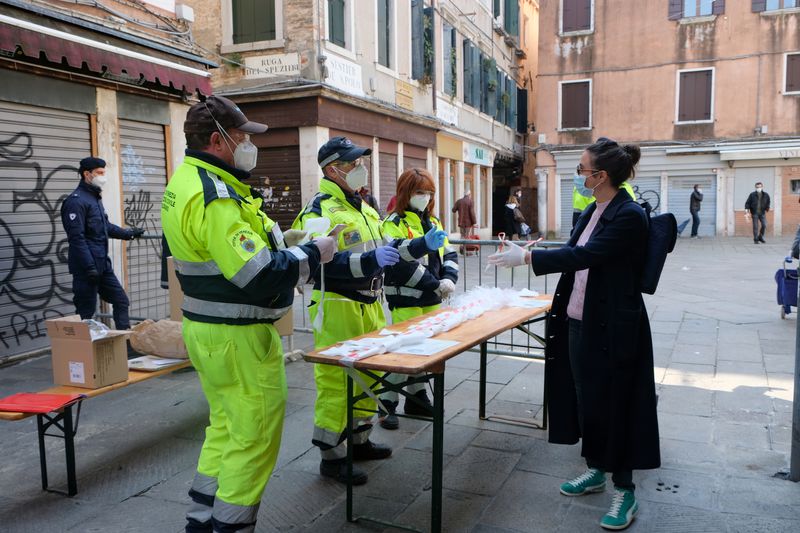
column 496, row 8
column 758, row 6
column 253, row 21
column 336, row 22
column 467, row 73
column 575, row 105
column 511, row 17
column 695, row 96
column 568, row 16
column 792, row 73
column 476, row 69
column 718, row 7
column 417, row 40
column 675, row 9
column 522, row 110
column 704, row 94
column 583, row 15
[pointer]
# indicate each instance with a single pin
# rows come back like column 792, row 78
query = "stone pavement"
column 724, row 371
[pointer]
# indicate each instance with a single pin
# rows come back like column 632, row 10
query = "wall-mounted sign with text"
column 344, row 75
column 478, row 155
column 271, row 66
column 446, row 112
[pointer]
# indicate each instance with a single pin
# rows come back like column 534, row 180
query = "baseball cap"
column 340, row 149
column 201, row 117
column 90, row 163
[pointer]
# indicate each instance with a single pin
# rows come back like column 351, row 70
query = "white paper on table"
column 426, row 347
column 529, row 303
column 528, row 292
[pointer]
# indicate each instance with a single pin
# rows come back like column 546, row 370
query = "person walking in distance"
column 466, row 214
column 756, row 208
column 694, row 208
column 238, row 277
column 88, row 230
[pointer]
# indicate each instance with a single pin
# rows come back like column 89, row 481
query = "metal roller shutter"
column 413, row 162
column 680, row 189
column 277, row 178
column 39, row 158
column 144, row 178
column 566, row 206
column 648, row 188
column 387, row 164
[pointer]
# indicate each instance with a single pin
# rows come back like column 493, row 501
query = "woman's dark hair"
column 618, row 161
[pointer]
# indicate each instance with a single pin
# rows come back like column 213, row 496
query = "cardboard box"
column 81, row 362
column 175, row 292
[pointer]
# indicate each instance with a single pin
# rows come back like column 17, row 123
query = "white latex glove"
column 293, row 237
column 327, row 247
column 512, row 256
column 445, row 289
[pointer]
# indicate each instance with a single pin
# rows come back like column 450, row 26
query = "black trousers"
column 758, row 234
column 621, row 478
column 84, row 296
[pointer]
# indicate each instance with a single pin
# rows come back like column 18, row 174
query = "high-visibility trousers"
column 399, row 314
column 342, row 319
column 242, row 373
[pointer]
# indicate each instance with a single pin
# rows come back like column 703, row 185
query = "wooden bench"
column 67, row 425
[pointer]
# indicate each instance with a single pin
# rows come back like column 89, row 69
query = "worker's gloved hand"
column 327, row 247
column 446, row 288
column 512, row 256
column 434, row 239
column 386, row 256
column 93, row 275
column 136, row 233
column 293, row 237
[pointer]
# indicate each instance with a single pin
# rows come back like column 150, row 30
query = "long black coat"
column 616, row 348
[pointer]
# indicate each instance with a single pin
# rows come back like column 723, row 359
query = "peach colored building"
column 710, row 89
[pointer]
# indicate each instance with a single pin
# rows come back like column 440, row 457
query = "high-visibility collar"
column 242, row 189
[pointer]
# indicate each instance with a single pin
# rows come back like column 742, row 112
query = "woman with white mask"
column 413, row 288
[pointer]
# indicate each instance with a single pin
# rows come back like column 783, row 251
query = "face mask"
column 700, row 191
column 759, row 189
column 420, row 201
column 245, row 156
column 356, row 178
column 579, row 180
column 99, row 180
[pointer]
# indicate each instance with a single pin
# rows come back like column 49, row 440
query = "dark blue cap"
column 340, row 149
column 90, row 163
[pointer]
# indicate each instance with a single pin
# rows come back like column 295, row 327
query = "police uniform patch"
column 72, row 216
column 352, row 237
column 243, row 239
column 247, row 244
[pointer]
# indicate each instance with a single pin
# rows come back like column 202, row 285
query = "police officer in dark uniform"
column 88, row 230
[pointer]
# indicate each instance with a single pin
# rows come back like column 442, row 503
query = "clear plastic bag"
column 97, row 330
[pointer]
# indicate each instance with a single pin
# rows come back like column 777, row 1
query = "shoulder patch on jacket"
column 315, row 206
column 395, row 218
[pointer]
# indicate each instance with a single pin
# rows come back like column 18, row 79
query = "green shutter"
column 468, row 49
column 511, row 18
column 500, row 109
column 417, row 40
column 476, row 68
column 336, row 22
column 383, row 32
column 253, row 20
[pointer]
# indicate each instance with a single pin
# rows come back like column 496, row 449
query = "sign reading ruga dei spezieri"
column 271, row 66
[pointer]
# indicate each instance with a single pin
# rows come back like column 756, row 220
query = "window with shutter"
column 695, row 90
column 576, row 15
column 253, row 20
column 522, row 110
column 775, row 5
column 500, row 106
column 417, row 40
column 792, row 73
column 468, row 50
column 757, row 6
column 336, row 22
column 384, row 32
column 576, row 104
column 511, row 110
column 489, row 105
column 449, row 66
column 511, row 17
column 496, row 8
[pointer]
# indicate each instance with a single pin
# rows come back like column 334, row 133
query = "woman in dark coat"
column 599, row 354
column 513, row 218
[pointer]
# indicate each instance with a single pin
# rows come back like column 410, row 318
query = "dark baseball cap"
column 90, row 163
column 340, row 149
column 201, row 117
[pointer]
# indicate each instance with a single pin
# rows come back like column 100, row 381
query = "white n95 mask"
column 245, row 156
column 419, row 201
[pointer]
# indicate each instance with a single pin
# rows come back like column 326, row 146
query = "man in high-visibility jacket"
column 581, row 202
column 350, row 304
column 238, row 278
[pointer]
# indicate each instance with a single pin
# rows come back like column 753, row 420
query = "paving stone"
column 690, row 374
column 503, row 369
column 660, row 326
column 694, row 338
column 741, row 435
column 747, row 462
column 504, row 441
column 685, row 400
column 740, row 523
column 779, row 498
column 692, row 456
column 335, row 520
column 469, row 417
column 774, row 346
column 480, row 470
column 465, row 396
column 743, row 400
column 732, row 374
column 403, row 476
column 677, row 487
column 557, row 461
column 525, row 387
column 694, row 354
column 138, row 514
column 685, row 427
column 456, row 439
column 460, row 510
column 739, row 352
column 667, row 518
column 534, row 504
column 783, row 363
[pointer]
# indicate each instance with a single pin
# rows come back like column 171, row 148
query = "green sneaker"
column 623, row 510
column 593, row 480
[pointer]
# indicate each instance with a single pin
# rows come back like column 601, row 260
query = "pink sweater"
column 575, row 306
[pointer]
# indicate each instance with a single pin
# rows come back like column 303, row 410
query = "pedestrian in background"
column 416, row 287
column 88, row 230
column 466, row 214
column 757, row 207
column 513, row 218
column 369, row 198
column 695, row 200
column 599, row 346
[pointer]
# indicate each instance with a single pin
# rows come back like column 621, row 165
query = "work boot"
column 386, row 415
column 593, row 480
column 761, row 239
column 623, row 510
column 414, row 408
column 337, row 469
column 370, row 450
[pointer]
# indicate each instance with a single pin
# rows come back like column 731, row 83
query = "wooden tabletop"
column 134, row 376
column 468, row 334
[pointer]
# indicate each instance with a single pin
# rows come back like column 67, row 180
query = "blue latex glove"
column 386, row 256
column 434, row 239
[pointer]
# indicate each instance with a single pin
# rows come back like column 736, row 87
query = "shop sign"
column 446, row 112
column 272, row 65
column 404, row 95
column 478, row 155
column 344, row 75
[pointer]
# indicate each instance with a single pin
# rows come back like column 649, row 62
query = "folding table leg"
column 438, row 451
column 349, row 434
column 64, row 422
column 482, row 388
